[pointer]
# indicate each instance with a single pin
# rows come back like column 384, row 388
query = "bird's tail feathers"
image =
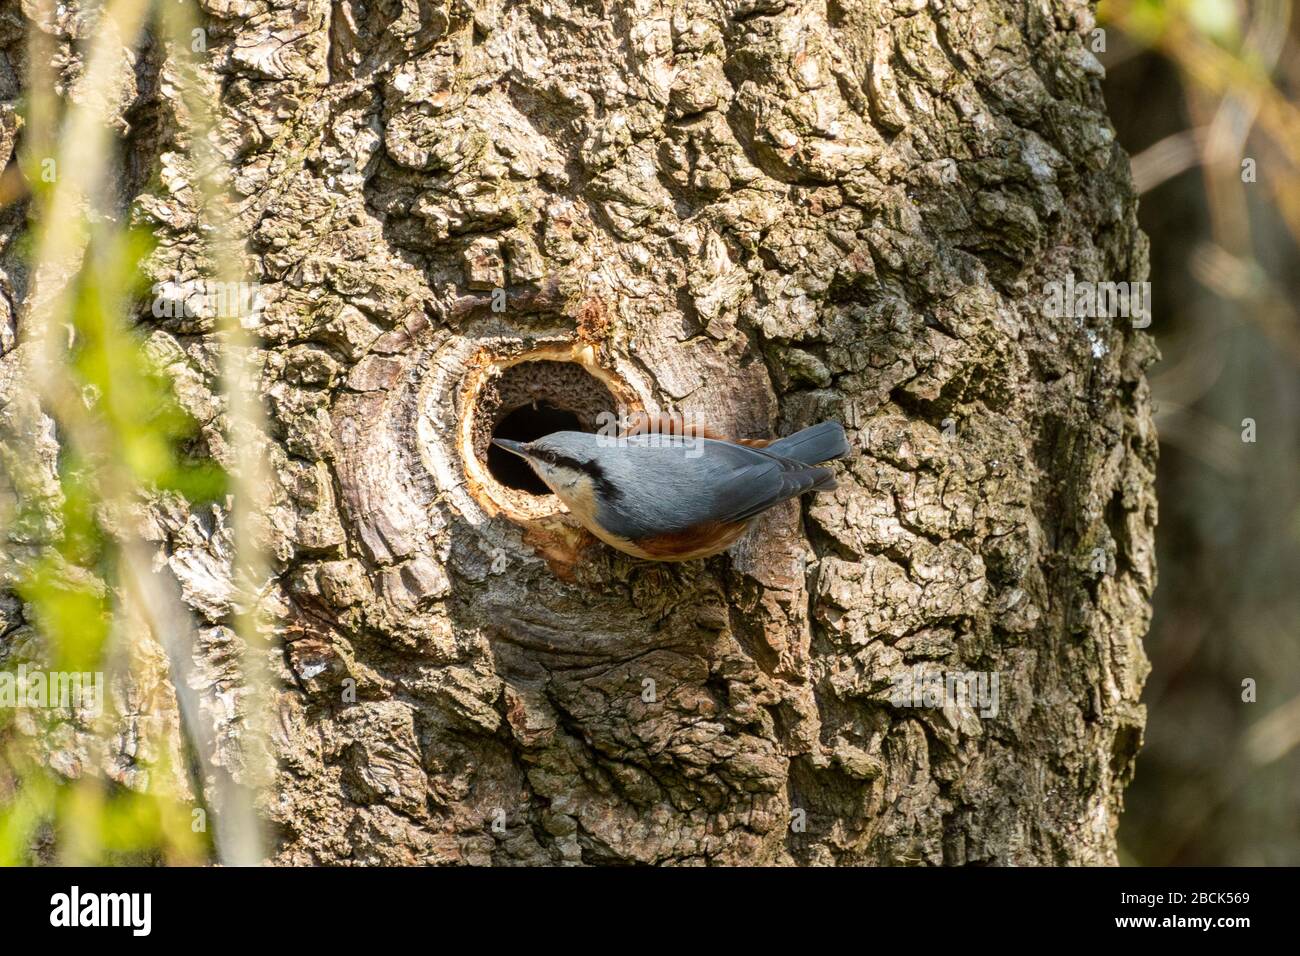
column 813, row 445
column 826, row 484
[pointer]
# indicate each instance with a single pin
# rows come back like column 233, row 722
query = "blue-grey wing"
column 673, row 486
column 752, row 494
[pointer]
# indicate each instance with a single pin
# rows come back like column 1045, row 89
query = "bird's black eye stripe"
column 606, row 487
column 608, row 490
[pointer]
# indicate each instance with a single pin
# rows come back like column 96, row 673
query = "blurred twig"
column 67, row 215
column 1166, row 159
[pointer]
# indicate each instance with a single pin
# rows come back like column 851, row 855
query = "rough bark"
column 762, row 213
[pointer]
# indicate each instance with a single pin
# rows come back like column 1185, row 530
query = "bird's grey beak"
column 514, row 447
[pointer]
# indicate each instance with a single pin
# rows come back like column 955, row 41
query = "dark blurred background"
column 1204, row 95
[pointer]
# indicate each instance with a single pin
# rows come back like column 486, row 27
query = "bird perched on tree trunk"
column 668, row 494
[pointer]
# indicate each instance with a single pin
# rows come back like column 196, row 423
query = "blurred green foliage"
column 139, row 438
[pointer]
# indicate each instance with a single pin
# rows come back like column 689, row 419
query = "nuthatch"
column 673, row 497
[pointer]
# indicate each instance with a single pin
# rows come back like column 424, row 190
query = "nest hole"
column 526, row 424
column 525, row 400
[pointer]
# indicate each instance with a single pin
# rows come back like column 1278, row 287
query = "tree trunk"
column 475, row 216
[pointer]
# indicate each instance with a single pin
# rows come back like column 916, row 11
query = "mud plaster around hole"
column 534, row 391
